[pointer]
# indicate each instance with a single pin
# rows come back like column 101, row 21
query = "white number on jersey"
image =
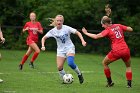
column 34, row 32
column 118, row 34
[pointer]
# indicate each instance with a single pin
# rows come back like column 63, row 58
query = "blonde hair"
column 53, row 21
column 107, row 10
column 60, row 16
column 32, row 13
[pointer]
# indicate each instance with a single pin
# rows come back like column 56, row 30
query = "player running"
column 34, row 28
column 2, row 41
column 65, row 47
column 119, row 47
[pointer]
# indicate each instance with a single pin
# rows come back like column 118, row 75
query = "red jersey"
column 116, row 36
column 32, row 33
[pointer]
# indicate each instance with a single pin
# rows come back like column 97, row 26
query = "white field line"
column 50, row 72
column 66, row 71
column 9, row 91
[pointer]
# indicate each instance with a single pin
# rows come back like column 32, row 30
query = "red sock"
column 129, row 75
column 25, row 57
column 34, row 56
column 107, row 72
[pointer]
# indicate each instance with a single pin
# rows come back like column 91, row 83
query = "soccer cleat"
column 31, row 64
column 81, row 79
column 110, row 84
column 129, row 84
column 1, row 80
column 20, row 67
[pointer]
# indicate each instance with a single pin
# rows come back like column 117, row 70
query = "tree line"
column 77, row 13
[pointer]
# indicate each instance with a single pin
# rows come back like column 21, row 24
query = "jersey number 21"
column 118, row 34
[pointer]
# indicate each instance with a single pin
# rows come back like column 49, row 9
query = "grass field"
column 45, row 79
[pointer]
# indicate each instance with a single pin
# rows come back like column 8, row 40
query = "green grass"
column 41, row 80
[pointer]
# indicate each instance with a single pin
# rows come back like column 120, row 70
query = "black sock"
column 109, row 80
column 129, row 82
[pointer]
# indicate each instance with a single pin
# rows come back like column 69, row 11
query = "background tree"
column 77, row 13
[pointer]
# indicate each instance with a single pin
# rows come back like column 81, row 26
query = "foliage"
column 77, row 13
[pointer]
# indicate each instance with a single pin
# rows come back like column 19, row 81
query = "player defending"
column 2, row 41
column 119, row 47
column 34, row 28
column 65, row 47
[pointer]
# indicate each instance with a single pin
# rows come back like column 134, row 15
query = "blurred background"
column 77, row 13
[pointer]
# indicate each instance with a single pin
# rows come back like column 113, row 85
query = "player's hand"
column 2, row 40
column 43, row 48
column 27, row 28
column 84, row 43
column 36, row 29
column 84, row 30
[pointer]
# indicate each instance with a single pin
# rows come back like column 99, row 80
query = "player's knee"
column 37, row 51
column 71, row 63
column 128, row 64
column 103, row 63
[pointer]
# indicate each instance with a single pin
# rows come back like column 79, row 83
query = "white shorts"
column 66, row 52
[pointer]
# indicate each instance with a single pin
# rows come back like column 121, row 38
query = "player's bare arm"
column 27, row 28
column 129, row 29
column 43, row 43
column 1, row 36
column 40, row 31
column 81, row 38
column 94, row 36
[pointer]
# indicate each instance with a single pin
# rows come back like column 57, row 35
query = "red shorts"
column 124, row 54
column 30, row 41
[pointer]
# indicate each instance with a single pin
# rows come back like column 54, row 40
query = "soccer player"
column 65, row 47
column 119, row 47
column 2, row 41
column 34, row 28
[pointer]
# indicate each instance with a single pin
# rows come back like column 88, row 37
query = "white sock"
column 62, row 73
column 77, row 70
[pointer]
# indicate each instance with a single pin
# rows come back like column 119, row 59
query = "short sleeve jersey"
column 116, row 36
column 32, row 33
column 62, row 37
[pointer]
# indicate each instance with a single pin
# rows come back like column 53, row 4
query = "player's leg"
column 71, row 63
column 0, row 56
column 60, row 62
column 127, row 60
column 35, row 55
column 25, row 57
column 128, row 73
column 107, row 71
column 0, row 79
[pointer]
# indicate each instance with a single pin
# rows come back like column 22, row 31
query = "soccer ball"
column 68, row 78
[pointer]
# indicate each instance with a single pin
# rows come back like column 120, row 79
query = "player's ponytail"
column 106, row 18
column 108, row 10
column 52, row 21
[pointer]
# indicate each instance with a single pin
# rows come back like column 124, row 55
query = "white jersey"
column 62, row 37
